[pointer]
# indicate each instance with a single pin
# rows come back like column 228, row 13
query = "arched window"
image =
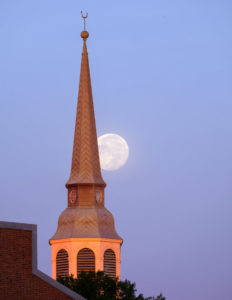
column 62, row 268
column 85, row 260
column 110, row 263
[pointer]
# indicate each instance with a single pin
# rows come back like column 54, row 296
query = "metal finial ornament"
column 84, row 17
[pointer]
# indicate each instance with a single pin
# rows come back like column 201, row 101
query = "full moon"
column 113, row 150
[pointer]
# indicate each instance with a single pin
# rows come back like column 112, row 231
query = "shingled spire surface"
column 85, row 167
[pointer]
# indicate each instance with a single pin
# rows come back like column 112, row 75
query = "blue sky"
column 161, row 78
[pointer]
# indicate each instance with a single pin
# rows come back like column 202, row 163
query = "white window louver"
column 85, row 260
column 110, row 263
column 62, row 267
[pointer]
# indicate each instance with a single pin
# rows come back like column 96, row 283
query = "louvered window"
column 85, row 260
column 62, row 268
column 110, row 263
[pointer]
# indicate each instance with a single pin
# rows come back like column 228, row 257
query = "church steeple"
column 86, row 238
column 85, row 159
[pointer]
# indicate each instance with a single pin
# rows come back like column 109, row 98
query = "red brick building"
column 19, row 277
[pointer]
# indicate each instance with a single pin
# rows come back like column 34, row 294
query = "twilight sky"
column 161, row 77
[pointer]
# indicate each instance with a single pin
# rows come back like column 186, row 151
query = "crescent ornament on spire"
column 84, row 17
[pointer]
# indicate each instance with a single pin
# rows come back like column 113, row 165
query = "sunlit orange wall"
column 97, row 245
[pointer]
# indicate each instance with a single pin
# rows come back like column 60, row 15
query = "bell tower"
column 86, row 239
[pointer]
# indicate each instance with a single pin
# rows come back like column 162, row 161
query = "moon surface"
column 113, row 150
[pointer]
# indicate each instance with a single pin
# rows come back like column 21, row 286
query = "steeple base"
column 73, row 255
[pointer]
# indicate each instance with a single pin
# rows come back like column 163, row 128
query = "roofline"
column 35, row 271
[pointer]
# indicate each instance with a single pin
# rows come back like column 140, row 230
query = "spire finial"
column 84, row 34
column 84, row 17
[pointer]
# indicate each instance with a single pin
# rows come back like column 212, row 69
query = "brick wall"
column 19, row 277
